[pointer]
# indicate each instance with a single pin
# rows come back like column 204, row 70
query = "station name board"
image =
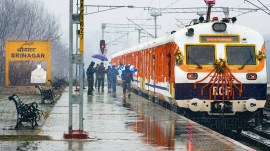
column 219, row 39
column 33, row 50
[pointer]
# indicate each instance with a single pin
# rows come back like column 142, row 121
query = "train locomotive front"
column 220, row 75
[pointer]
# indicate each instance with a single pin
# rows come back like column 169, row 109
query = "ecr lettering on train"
column 219, row 90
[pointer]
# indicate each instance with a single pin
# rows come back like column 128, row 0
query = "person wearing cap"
column 112, row 78
column 90, row 77
column 127, row 77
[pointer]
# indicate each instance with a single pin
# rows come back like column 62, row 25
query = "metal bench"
column 26, row 112
column 58, row 84
column 46, row 94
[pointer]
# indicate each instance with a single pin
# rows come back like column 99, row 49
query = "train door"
column 168, row 69
column 172, row 48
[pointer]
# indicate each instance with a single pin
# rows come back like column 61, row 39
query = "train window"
column 241, row 55
column 200, row 54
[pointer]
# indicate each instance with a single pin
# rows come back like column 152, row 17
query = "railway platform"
column 116, row 124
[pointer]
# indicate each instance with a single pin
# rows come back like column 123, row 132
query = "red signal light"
column 102, row 46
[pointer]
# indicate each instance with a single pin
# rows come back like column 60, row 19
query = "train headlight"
column 251, row 105
column 201, row 19
column 195, row 105
column 234, row 19
column 219, row 27
column 251, row 76
column 190, row 32
column 192, row 76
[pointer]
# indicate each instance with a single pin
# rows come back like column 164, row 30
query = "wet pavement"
column 114, row 124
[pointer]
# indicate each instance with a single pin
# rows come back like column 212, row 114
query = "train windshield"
column 241, row 55
column 200, row 55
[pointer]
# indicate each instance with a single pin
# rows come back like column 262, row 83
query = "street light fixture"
column 155, row 13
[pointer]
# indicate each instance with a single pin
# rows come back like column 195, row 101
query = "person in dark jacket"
column 127, row 77
column 101, row 71
column 112, row 78
column 90, row 77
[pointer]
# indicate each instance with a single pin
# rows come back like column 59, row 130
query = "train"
column 213, row 71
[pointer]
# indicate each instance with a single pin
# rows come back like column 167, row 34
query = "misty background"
column 50, row 19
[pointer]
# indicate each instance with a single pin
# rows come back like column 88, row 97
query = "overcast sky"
column 60, row 8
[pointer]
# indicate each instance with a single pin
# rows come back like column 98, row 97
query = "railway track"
column 256, row 138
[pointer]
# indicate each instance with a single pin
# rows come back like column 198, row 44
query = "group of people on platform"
column 111, row 72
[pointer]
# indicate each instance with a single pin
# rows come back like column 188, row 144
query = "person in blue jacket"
column 127, row 77
column 108, row 78
column 113, row 77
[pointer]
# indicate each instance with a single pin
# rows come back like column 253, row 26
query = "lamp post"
column 155, row 13
column 103, row 26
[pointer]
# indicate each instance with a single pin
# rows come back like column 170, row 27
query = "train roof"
column 202, row 28
column 149, row 44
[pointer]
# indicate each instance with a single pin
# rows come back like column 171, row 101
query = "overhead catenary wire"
column 117, row 38
column 258, row 7
column 263, row 5
column 141, row 28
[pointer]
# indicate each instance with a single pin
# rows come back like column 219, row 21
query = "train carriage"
column 213, row 71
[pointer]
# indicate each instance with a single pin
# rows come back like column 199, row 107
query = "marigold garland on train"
column 178, row 57
column 261, row 55
column 220, row 66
